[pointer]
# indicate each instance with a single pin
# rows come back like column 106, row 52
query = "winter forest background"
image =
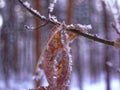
column 96, row 66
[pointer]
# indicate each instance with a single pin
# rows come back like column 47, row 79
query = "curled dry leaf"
column 117, row 43
column 50, row 53
column 56, row 58
column 64, row 65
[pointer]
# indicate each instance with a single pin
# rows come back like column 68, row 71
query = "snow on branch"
column 33, row 11
column 51, row 6
column 71, row 27
column 50, row 10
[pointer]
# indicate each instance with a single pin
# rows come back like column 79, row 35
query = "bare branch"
column 37, row 14
column 51, row 6
column 35, row 28
column 116, row 29
column 33, row 11
column 43, row 18
column 94, row 37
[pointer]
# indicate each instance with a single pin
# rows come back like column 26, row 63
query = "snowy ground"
column 115, row 84
column 15, row 84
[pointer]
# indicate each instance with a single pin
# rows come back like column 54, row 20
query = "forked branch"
column 74, row 30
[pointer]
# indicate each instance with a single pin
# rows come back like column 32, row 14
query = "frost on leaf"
column 56, row 58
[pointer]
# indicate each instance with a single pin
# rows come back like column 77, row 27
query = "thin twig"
column 43, row 18
column 51, row 7
column 31, row 10
column 36, row 28
column 94, row 37
column 116, row 29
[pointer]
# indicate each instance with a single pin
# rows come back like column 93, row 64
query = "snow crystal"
column 26, row 4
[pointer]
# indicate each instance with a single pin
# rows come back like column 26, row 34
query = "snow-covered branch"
column 72, row 29
column 33, row 11
column 51, row 6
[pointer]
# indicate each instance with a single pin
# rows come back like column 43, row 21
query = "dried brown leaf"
column 57, row 68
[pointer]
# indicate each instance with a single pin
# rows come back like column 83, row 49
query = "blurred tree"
column 106, row 48
column 9, row 41
column 94, row 60
column 38, row 39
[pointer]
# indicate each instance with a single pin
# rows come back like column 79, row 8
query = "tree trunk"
column 8, row 41
column 37, row 40
column 106, row 57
